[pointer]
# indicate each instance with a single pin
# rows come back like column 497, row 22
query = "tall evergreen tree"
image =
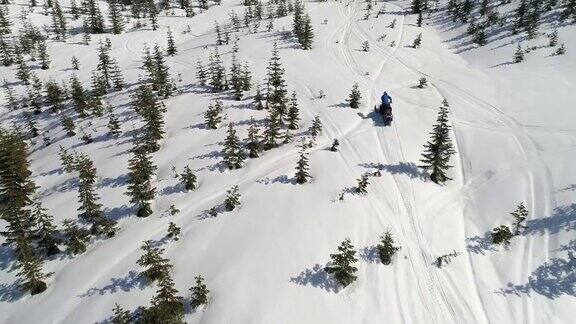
column 386, row 247
column 115, row 17
column 167, row 306
column 95, row 21
column 201, row 73
column 217, row 72
column 79, row 96
column 519, row 215
column 46, row 234
column 293, row 116
column 199, row 293
column 233, row 152
column 43, row 55
column 302, row 169
column 171, row 47
column 140, row 190
column 276, row 96
column 213, row 116
column 59, row 23
column 253, row 141
column 232, row 198
column 151, row 110
column 272, row 130
column 342, row 265
column 155, row 265
column 439, row 148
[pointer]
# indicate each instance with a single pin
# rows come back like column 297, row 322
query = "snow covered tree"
column 253, row 141
column 45, row 233
column 199, row 293
column 167, row 306
column 121, row 316
column 151, row 110
column 75, row 237
column 140, row 188
column 6, row 51
column 201, row 73
column 519, row 215
column 236, row 80
column 43, row 55
column 213, row 116
column 188, row 178
column 502, row 235
column 217, row 72
column 362, row 186
column 113, row 125
column 439, row 148
column 5, row 21
column 173, row 231
column 34, row 93
column 316, row 127
column 272, row 130
column 342, row 265
column 232, row 198
column 90, row 209
column 115, row 16
column 307, row 35
column 386, row 247
column 258, row 99
column 58, row 21
column 171, row 47
column 95, row 21
column 246, row 77
column 519, row 54
column 355, row 97
column 23, row 73
column 293, row 116
column 276, row 96
column 233, row 152
column 156, row 267
column 117, row 78
column 302, row 170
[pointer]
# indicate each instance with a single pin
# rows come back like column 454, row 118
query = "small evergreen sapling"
column 422, row 82
column 188, row 178
column 519, row 54
column 417, row 41
column 342, row 264
column 232, row 198
column 121, row 316
column 253, row 142
column 302, row 170
column 154, row 264
column 233, row 151
column 199, row 293
column 519, row 215
column 355, row 97
column 502, row 235
column 386, row 247
column 75, row 237
column 335, row 145
column 213, row 116
column 173, row 231
column 363, row 183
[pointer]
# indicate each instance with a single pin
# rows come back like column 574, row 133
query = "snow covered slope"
column 515, row 134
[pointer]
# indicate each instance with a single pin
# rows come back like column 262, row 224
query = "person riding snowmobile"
column 386, row 101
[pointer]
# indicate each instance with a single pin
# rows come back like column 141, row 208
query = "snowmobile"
column 386, row 112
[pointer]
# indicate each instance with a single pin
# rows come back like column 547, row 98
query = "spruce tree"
column 276, row 96
column 68, row 124
column 66, row 159
column 519, row 215
column 293, row 116
column 502, row 235
column 302, row 170
column 519, row 54
column 386, row 247
column 115, row 17
column 253, row 141
column 155, row 265
column 201, row 73
column 272, row 130
column 439, row 148
column 140, row 190
column 34, row 93
column 171, row 47
column 43, row 55
column 121, row 316
column 90, row 210
column 316, row 127
column 217, row 72
column 117, row 78
column 307, row 34
column 335, row 145
column 151, row 110
column 95, row 22
column 246, row 77
column 59, row 23
column 173, row 231
column 5, row 21
column 29, row 267
column 55, row 96
column 79, row 97
column 75, row 63
column 258, row 99
column 233, row 152
column 46, row 234
column 417, row 41
column 342, row 265
column 362, row 186
column 188, row 178
column 355, row 97
column 236, row 80
column 232, row 198
column 213, row 116
column 167, row 306
column 105, row 63
column 160, row 77
column 23, row 73
column 6, row 51
column 199, row 293
column 75, row 237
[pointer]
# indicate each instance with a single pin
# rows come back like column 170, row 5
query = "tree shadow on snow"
column 126, row 283
column 554, row 278
column 279, row 179
column 407, row 168
column 10, row 292
column 317, row 277
column 370, row 254
column 480, row 244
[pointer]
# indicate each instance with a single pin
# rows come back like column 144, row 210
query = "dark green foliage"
column 201, row 73
column 140, row 190
column 258, row 99
column 306, row 37
column 55, row 96
column 29, row 267
column 502, row 235
column 43, row 56
column 114, row 125
column 342, row 267
column 199, row 293
column 272, row 130
column 173, row 231
column 155, row 266
column 316, row 127
column 233, row 152
column 417, row 41
column 386, row 247
column 293, row 116
column 519, row 54
column 115, row 16
column 151, row 110
column 46, row 234
column 171, row 47
column 232, row 198
column 276, row 96
column 217, row 72
column 188, row 178
column 519, row 215
column 355, row 97
column 59, row 24
column 121, row 316
column 213, row 116
column 67, row 160
column 236, row 80
column 446, row 258
column 253, row 142
column 167, row 306
column 68, row 124
column 363, row 183
column 75, row 237
column 422, row 82
column 95, row 22
column 302, row 169
column 439, row 149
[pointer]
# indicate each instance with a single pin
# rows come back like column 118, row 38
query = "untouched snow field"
column 515, row 134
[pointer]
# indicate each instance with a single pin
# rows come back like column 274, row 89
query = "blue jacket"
column 386, row 99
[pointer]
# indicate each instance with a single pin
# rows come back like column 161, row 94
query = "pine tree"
column 167, row 306
column 258, row 99
column 553, row 38
column 117, row 78
column 363, row 183
column 151, row 110
column 519, row 215
column 171, row 48
column 155, row 265
column 355, row 97
column 293, row 117
column 199, row 293
column 121, row 316
column 58, row 21
column 272, row 130
column 236, row 78
column 307, row 34
column 233, row 152
column 46, row 235
column 86, row 31
column 276, row 96
column 23, row 73
column 386, row 247
column 43, row 55
column 188, row 178
column 341, row 266
column 160, row 76
column 79, row 97
column 6, row 51
column 217, row 72
column 66, row 159
column 316, row 127
column 29, row 267
column 75, row 63
column 519, row 54
column 140, row 188
column 297, row 24
column 55, row 96
column 105, row 63
column 246, row 77
column 232, row 198
column 213, row 116
column 74, row 10
column 439, row 149
column 68, row 125
column 4, row 21
column 32, row 125
column 335, row 145
column 253, row 141
column 201, row 74
column 302, row 170
column 502, row 235
column 75, row 237
column 95, row 22
column 115, row 17
column 12, row 103
column 35, row 95
column 90, row 210
column 173, row 231
column 417, row 41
